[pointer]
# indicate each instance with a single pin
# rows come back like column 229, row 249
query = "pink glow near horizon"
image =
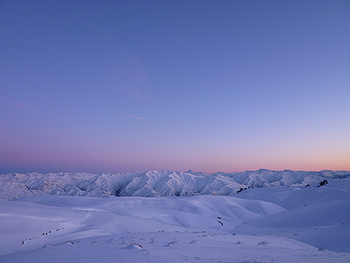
column 113, row 88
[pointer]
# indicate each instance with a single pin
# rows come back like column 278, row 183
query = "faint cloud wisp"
column 133, row 117
column 34, row 112
column 129, row 76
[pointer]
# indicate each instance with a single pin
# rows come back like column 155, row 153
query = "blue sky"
column 127, row 86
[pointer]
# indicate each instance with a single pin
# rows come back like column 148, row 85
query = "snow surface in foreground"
column 279, row 224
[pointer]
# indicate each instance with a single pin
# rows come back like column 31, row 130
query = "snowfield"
column 292, row 218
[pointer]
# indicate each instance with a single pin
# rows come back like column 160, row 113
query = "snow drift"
column 305, row 220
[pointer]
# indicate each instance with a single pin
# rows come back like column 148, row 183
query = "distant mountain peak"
column 154, row 183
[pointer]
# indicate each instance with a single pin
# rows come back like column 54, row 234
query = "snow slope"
column 153, row 183
column 270, row 224
column 316, row 215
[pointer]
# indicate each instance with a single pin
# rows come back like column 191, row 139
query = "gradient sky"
column 128, row 86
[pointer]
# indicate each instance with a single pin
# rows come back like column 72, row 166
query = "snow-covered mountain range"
column 277, row 219
column 154, row 183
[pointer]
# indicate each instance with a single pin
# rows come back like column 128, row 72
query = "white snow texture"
column 153, row 183
column 254, row 216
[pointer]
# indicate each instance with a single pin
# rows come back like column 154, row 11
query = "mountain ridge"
column 155, row 183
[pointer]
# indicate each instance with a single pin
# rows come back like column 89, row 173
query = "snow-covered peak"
column 154, row 183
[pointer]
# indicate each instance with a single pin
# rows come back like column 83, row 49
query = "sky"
column 131, row 86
